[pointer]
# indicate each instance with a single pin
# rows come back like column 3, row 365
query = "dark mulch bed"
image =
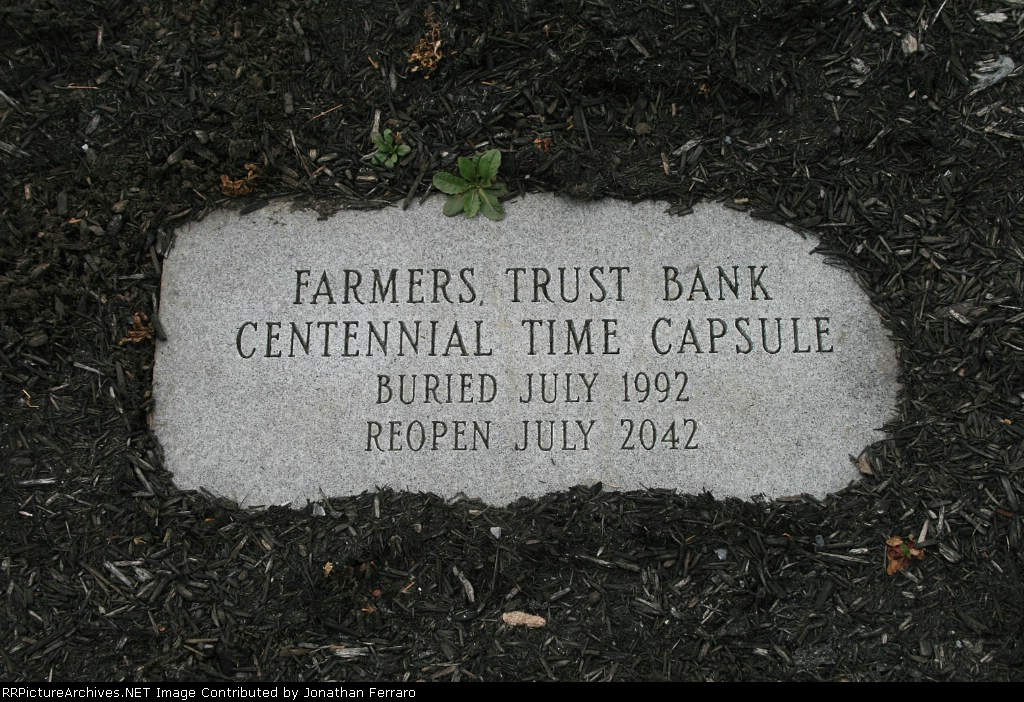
column 864, row 122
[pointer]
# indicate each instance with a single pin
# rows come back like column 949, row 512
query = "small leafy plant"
column 476, row 188
column 389, row 148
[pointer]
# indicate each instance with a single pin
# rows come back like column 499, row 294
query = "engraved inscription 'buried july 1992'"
column 571, row 343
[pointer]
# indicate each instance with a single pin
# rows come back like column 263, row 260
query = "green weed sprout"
column 476, row 188
column 389, row 148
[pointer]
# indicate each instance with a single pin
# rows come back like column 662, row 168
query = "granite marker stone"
column 571, row 343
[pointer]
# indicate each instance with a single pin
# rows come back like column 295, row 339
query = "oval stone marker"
column 569, row 344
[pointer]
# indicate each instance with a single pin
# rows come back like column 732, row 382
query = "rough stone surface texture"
column 761, row 375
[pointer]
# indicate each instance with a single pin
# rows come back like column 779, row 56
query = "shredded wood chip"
column 348, row 651
column 530, row 621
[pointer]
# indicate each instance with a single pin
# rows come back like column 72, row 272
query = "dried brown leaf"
column 427, row 52
column 900, row 553
column 240, row 186
column 142, row 330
